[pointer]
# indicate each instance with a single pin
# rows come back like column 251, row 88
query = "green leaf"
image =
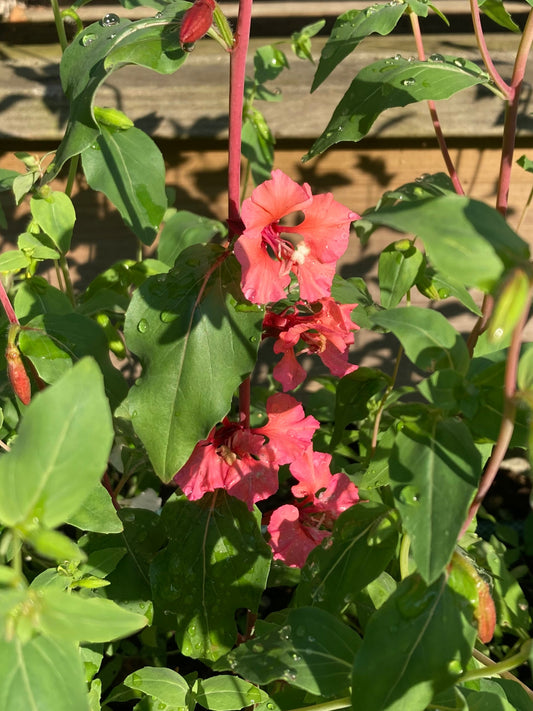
column 448, row 286
column 430, row 648
column 215, row 563
column 464, row 239
column 128, row 167
column 183, row 230
column 435, row 468
column 49, row 360
column 191, row 337
column 165, row 685
column 397, row 272
column 97, row 513
column 227, row 693
column 36, row 296
column 42, row 674
column 525, row 163
column 6, row 178
column 350, row 29
column 269, row 62
column 37, row 246
column 354, row 394
column 394, row 82
column 362, row 544
column 55, row 215
column 429, row 340
column 70, row 616
column 13, row 261
column 496, row 11
column 301, row 40
column 61, row 450
column 97, row 51
column 355, row 291
column 312, row 650
column 258, row 146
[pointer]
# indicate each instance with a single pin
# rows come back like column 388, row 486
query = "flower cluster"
column 295, row 529
column 245, row 460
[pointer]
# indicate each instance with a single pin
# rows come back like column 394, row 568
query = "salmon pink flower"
column 325, row 327
column 267, row 257
column 320, row 498
column 245, row 461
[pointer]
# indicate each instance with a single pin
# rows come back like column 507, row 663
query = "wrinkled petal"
column 339, row 495
column 289, row 372
column 263, row 278
column 273, row 199
column 336, row 362
column 288, row 430
column 313, row 473
column 290, row 541
column 326, row 227
column 314, row 278
column 204, row 471
column 254, row 480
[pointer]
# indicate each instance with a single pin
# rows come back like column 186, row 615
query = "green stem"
column 72, row 172
column 405, row 546
column 69, row 289
column 498, row 668
column 60, row 27
column 483, row 50
column 344, row 703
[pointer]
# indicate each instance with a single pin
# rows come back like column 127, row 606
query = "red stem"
column 6, row 303
column 236, row 101
column 450, row 167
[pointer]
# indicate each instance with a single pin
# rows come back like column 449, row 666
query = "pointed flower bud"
column 196, row 22
column 18, row 377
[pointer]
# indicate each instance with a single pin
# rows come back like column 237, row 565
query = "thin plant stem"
column 69, row 289
column 450, row 166
column 244, row 402
column 508, row 419
column 405, row 547
column 488, row 662
column 511, row 114
column 6, row 303
column 333, row 705
column 236, row 102
column 72, row 172
column 483, row 50
column 499, row 668
column 4, row 446
column 381, row 408
column 60, row 27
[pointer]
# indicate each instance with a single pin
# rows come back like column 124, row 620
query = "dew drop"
column 270, row 706
column 112, row 35
column 253, row 339
column 110, row 19
column 296, row 657
column 455, row 667
column 459, row 62
column 411, row 59
column 142, row 326
column 87, row 39
column 188, row 46
column 408, row 82
column 397, row 57
column 158, row 15
column 389, row 60
column 436, row 58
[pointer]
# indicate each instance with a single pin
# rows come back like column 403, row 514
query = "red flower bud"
column 196, row 21
column 18, row 376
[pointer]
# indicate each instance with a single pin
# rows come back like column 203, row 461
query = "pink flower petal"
column 288, row 430
column 339, row 495
column 289, row 372
column 274, row 199
column 336, row 362
column 313, row 473
column 315, row 278
column 290, row 541
column 204, row 471
column 263, row 279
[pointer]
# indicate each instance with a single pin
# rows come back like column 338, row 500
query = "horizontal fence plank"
column 192, row 103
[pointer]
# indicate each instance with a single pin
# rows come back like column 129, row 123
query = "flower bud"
column 196, row 21
column 18, row 377
column 510, row 302
column 427, row 288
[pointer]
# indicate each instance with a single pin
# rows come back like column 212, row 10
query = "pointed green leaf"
column 13, row 261
column 394, row 82
column 42, row 674
column 350, row 29
column 184, row 229
column 363, row 542
column 55, row 215
column 37, row 246
column 49, row 360
column 216, row 562
column 165, row 685
column 97, row 51
column 430, row 646
column 429, row 340
column 97, row 513
column 397, row 272
column 69, row 616
column 464, row 238
column 227, row 693
column 312, row 650
column 61, row 451
column 36, row 296
column 192, row 338
column 495, row 9
column 435, row 468
column 128, row 167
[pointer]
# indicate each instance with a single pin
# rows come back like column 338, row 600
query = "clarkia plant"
column 177, row 533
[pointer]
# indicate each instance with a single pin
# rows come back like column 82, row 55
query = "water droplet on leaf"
column 408, row 82
column 410, row 495
column 142, row 326
column 455, row 667
column 436, row 58
column 459, row 62
column 87, row 39
column 168, row 316
column 397, row 57
column 110, row 19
